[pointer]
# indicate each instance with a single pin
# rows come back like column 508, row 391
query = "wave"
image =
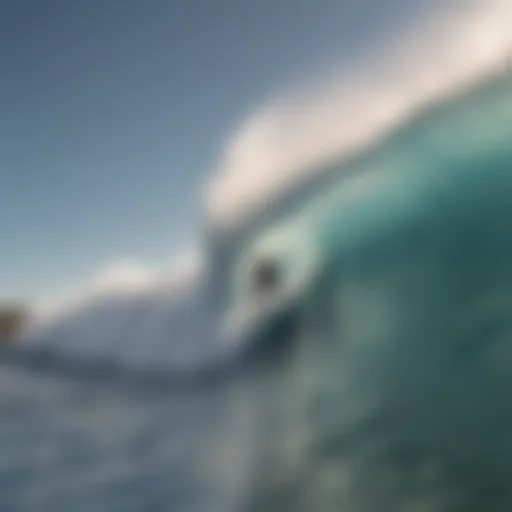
column 388, row 291
column 216, row 320
column 345, row 139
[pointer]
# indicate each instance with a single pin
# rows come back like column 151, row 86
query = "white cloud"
column 284, row 139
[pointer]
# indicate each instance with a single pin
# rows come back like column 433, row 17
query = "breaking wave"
column 207, row 321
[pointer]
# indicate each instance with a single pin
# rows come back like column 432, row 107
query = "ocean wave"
column 173, row 328
column 190, row 326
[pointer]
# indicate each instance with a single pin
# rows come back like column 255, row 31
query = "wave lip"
column 292, row 137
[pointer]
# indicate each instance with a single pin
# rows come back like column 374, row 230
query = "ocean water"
column 370, row 373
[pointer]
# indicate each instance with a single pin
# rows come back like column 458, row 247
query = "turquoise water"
column 382, row 377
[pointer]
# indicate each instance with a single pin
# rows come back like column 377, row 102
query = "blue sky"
column 112, row 114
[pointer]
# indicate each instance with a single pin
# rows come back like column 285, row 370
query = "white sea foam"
column 287, row 138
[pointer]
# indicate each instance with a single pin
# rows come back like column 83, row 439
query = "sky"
column 113, row 115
